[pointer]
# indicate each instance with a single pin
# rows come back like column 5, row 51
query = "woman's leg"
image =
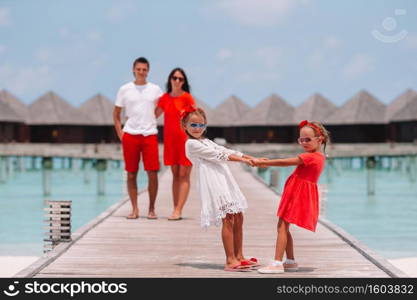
column 282, row 239
column 183, row 182
column 228, row 240
column 238, row 236
column 175, row 184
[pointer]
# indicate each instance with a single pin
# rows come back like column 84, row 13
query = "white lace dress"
column 219, row 192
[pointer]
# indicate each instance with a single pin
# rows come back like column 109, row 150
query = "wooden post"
column 328, row 169
column 370, row 166
column 47, row 165
column 412, row 168
column 3, row 171
column 101, row 167
column 33, row 163
column 58, row 219
column 86, row 168
column 21, row 164
column 274, row 182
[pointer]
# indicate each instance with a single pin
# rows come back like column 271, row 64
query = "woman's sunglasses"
column 175, row 78
column 197, row 125
column 305, row 140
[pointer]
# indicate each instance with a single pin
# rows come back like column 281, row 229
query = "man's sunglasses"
column 175, row 78
column 304, row 140
column 198, row 125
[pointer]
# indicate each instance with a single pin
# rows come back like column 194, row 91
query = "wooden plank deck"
column 118, row 247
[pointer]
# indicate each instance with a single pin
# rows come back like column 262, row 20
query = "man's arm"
column 117, row 122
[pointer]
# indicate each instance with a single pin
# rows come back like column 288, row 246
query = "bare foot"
column 133, row 215
column 174, row 217
column 152, row 215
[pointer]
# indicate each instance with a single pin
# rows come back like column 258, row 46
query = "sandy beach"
column 11, row 265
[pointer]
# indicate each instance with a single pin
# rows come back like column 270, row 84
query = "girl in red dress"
column 173, row 103
column 299, row 202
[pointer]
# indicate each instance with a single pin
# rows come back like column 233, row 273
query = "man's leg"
column 132, row 189
column 152, row 191
column 131, row 155
column 151, row 163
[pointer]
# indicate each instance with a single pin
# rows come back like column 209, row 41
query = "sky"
column 246, row 48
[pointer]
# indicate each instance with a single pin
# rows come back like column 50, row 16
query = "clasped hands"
column 256, row 162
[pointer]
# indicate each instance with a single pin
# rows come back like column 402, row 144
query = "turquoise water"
column 385, row 221
column 22, row 200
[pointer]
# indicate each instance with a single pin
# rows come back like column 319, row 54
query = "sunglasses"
column 175, row 78
column 197, row 125
column 305, row 140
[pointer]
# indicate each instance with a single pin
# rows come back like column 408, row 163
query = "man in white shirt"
column 139, row 134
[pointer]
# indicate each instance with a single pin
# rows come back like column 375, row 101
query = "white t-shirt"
column 139, row 102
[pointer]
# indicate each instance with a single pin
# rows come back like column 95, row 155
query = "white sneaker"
column 290, row 267
column 273, row 268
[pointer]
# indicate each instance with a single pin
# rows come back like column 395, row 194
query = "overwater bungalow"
column 54, row 120
column 271, row 121
column 99, row 110
column 360, row 120
column 227, row 114
column 9, row 123
column 20, row 129
column 402, row 117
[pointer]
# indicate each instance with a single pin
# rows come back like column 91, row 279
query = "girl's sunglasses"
column 175, row 78
column 197, row 125
column 305, row 140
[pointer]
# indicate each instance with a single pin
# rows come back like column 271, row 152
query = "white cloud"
column 121, row 11
column 26, row 79
column 257, row 12
column 5, row 18
column 270, row 57
column 357, row 66
column 411, row 41
column 326, row 52
column 331, row 42
column 224, row 54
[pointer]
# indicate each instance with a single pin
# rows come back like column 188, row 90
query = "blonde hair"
column 324, row 133
column 187, row 115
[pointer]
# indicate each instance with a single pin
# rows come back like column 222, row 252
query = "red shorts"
column 134, row 145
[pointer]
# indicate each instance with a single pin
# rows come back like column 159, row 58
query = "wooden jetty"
column 112, row 246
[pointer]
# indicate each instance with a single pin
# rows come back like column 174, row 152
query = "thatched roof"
column 273, row 110
column 230, row 111
column 212, row 118
column 20, row 109
column 408, row 112
column 51, row 109
column 99, row 109
column 7, row 114
column 396, row 109
column 362, row 108
column 315, row 108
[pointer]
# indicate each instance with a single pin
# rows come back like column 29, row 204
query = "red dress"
column 300, row 199
column 174, row 135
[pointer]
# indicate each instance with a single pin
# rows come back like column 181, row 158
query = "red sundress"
column 174, row 135
column 300, row 200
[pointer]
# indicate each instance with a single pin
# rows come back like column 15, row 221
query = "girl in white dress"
column 221, row 199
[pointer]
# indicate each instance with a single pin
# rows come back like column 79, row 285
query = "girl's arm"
column 280, row 162
column 211, row 152
column 246, row 160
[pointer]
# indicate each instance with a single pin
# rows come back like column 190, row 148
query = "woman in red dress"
column 173, row 103
column 300, row 200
